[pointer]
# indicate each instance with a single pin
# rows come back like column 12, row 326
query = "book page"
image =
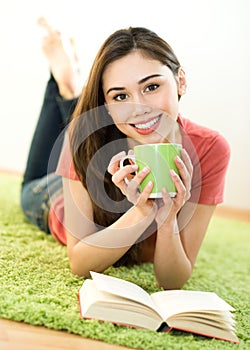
column 205, row 319
column 88, row 296
column 100, row 305
column 179, row 301
column 122, row 288
column 206, row 330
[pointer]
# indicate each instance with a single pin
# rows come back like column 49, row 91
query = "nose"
column 139, row 107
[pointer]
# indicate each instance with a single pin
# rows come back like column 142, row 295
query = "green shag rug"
column 37, row 286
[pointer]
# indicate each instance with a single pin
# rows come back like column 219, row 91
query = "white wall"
column 210, row 37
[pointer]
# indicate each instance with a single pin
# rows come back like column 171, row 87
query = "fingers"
column 126, row 173
column 123, row 173
column 114, row 164
column 187, row 161
column 180, row 186
column 170, row 206
column 130, row 187
column 140, row 176
column 125, row 178
column 182, row 183
column 185, row 168
column 144, row 195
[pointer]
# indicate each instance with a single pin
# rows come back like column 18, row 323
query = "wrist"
column 170, row 225
column 148, row 214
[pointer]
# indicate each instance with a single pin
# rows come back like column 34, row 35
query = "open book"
column 108, row 298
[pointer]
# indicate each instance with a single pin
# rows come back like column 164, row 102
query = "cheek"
column 121, row 125
column 120, row 112
column 169, row 103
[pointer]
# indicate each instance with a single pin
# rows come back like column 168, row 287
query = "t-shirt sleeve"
column 214, row 163
column 65, row 167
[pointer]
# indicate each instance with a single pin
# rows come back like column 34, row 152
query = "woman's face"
column 141, row 95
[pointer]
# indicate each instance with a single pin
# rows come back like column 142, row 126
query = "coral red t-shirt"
column 207, row 148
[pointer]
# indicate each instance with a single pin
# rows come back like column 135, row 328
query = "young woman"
column 131, row 97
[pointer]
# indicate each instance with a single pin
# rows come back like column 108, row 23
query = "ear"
column 182, row 83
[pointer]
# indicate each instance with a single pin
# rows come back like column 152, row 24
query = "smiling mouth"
column 148, row 125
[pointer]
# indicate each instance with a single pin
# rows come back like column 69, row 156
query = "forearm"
column 102, row 249
column 171, row 264
column 85, row 258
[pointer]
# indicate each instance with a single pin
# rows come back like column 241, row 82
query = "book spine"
column 164, row 327
column 79, row 304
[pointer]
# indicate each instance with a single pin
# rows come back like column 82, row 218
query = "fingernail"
column 178, row 159
column 146, row 169
column 172, row 172
column 164, row 191
column 135, row 167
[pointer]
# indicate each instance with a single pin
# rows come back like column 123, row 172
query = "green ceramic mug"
column 159, row 158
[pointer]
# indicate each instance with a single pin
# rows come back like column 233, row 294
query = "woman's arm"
column 89, row 249
column 175, row 253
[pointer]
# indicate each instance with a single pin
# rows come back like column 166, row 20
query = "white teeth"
column 148, row 124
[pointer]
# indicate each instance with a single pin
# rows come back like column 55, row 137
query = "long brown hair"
column 92, row 128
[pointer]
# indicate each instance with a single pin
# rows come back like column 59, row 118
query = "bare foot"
column 63, row 60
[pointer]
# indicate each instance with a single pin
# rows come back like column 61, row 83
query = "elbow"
column 174, row 283
column 171, row 286
column 76, row 264
column 83, row 270
column 78, row 269
column 176, row 286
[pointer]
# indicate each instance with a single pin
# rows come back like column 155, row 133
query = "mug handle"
column 130, row 156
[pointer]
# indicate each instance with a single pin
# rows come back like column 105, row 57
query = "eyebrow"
column 143, row 80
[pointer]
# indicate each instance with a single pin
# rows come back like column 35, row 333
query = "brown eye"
column 152, row 87
column 120, row 97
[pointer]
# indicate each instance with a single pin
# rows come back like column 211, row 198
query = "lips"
column 147, row 127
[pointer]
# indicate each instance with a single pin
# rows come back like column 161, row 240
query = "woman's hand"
column 169, row 207
column 129, row 188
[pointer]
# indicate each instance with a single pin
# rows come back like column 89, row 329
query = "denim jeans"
column 36, row 197
column 40, row 182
